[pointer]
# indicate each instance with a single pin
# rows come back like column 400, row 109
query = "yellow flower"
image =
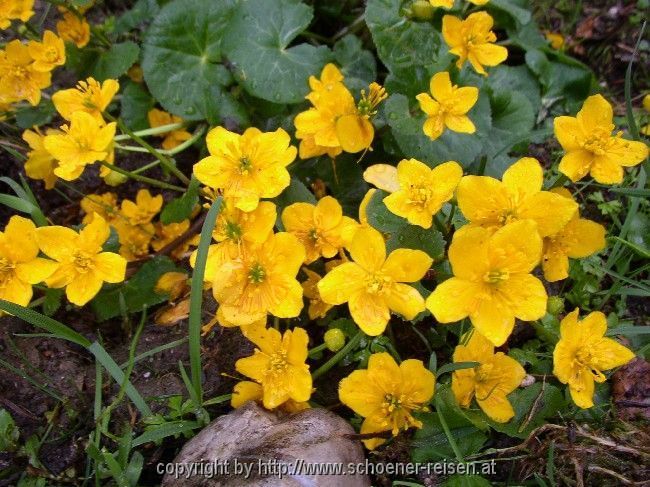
column 143, row 209
column 82, row 142
column 40, row 164
column 247, row 390
column 321, row 228
column 372, row 285
column 74, row 29
column 442, row 3
column 491, row 203
column 236, row 231
column 134, row 239
column 492, row 283
column 579, row 238
column 47, row 54
column 317, row 307
column 472, row 39
column 490, row 382
column 18, row 78
column 335, row 123
column 278, row 365
column 363, row 206
column 20, row 266
column 386, row 395
column 88, row 96
column 246, row 167
column 15, row 10
column 105, row 205
column 135, row 73
column 583, row 353
column 83, row 267
column 448, row 107
column 422, row 190
column 556, row 39
column 175, row 284
column 158, row 118
column 261, row 281
column 646, row 103
column 166, row 234
column 590, row 147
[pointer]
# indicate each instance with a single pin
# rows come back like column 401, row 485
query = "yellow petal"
column 460, row 123
column 110, row 267
column 607, row 170
column 83, row 288
column 517, row 247
column 254, row 366
column 368, row 249
column 56, row 242
column 440, row 86
column 407, row 265
column 482, row 199
column 555, row 265
column 596, row 113
column 291, row 303
column 526, row 294
column 550, row 211
column 463, row 100
column 628, row 153
column 608, row 353
column 383, row 176
column 245, row 391
column 493, row 319
column 404, row 300
column 36, row 270
column 497, row 407
column 355, row 133
column 576, row 164
column 418, row 383
column 468, row 252
column 590, row 238
column 297, row 341
column 93, row 235
column 16, row 291
column 338, row 285
column 360, row 394
column 453, row 300
column 582, row 389
column 489, row 54
column 370, row 312
column 20, row 239
column 524, row 178
column 374, row 424
column 568, row 132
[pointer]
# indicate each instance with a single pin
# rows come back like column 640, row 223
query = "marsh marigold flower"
column 174, row 138
column 166, row 234
column 578, row 238
column 143, row 209
column 590, row 146
column 82, row 142
column 40, row 164
column 492, row 283
column 246, row 167
column 20, row 266
column 18, row 78
column 373, row 285
column 583, row 353
column 422, row 190
column 321, row 228
column 105, row 205
column 448, row 107
column 15, row 10
column 442, row 3
column 47, row 54
column 491, row 203
column 317, row 307
column 236, row 231
column 261, row 281
column 472, row 39
column 88, row 96
column 490, row 382
column 386, row 395
column 83, row 266
column 278, row 366
column 134, row 239
column 74, row 29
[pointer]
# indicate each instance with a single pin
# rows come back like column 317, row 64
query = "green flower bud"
column 422, row 10
column 334, row 339
column 555, row 305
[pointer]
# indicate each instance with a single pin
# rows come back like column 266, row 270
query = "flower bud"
column 115, row 178
column 422, row 10
column 555, row 305
column 334, row 339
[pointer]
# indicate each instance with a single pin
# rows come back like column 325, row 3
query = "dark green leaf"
column 9, row 433
column 296, row 192
column 522, row 15
column 256, row 44
column 469, row 480
column 181, row 208
column 138, row 292
column 143, row 11
column 182, row 61
column 52, row 301
column 136, row 103
column 116, row 61
column 41, row 114
column 357, row 64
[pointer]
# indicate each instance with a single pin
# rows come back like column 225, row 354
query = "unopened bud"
column 334, row 339
column 422, row 10
column 555, row 305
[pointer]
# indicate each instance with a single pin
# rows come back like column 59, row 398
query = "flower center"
column 51, row 55
column 584, row 360
column 483, row 372
column 418, row 195
column 507, row 216
column 496, row 276
column 313, row 235
column 245, row 165
column 233, row 231
column 6, row 268
column 257, row 274
column 18, row 72
column 278, row 363
column 82, row 262
column 598, row 141
column 376, row 283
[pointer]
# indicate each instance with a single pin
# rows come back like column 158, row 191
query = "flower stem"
column 163, row 129
column 164, row 160
column 317, row 349
column 143, row 179
column 338, row 356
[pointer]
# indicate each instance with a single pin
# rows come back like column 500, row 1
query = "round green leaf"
column 256, row 44
column 182, row 61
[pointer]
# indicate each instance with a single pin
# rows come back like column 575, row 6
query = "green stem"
column 163, row 129
column 169, row 165
column 196, row 297
column 338, row 356
column 559, row 181
column 445, row 427
column 317, row 349
column 143, row 179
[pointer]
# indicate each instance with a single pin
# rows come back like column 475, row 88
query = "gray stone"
column 254, row 447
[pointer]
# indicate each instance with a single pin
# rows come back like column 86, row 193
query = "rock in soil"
column 254, row 447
